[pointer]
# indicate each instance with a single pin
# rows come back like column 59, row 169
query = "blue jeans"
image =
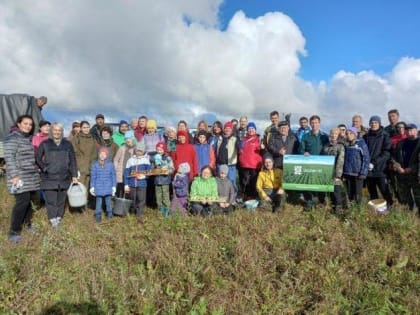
column 98, row 210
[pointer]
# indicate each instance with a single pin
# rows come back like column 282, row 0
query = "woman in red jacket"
column 185, row 152
column 250, row 162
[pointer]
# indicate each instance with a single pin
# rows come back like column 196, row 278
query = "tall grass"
column 244, row 263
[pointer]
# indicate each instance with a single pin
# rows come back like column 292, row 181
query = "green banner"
column 308, row 173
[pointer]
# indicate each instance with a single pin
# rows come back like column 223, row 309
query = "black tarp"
column 14, row 105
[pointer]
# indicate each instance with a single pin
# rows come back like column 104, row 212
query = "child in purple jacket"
column 180, row 185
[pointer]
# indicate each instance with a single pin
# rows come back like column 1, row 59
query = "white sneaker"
column 54, row 222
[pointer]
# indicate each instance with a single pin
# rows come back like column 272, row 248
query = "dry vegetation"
column 245, row 263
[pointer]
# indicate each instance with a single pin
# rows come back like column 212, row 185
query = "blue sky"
column 139, row 57
column 344, row 35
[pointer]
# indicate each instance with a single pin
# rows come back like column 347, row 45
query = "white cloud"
column 170, row 60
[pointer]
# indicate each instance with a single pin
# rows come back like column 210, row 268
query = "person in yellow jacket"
column 269, row 186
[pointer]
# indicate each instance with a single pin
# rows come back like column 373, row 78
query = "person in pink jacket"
column 42, row 135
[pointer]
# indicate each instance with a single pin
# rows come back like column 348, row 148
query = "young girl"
column 204, row 195
column 151, row 138
column 135, row 180
column 163, row 162
column 180, row 185
column 356, row 164
column 42, row 135
column 103, row 183
column 269, row 184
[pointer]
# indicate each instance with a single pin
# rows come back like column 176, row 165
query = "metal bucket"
column 122, row 206
column 77, row 195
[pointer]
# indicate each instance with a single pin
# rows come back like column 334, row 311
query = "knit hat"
column 228, row 125
column 99, row 116
column 182, row 133
column 123, row 122
column 140, row 146
column 103, row 150
column 223, row 169
column 161, row 145
column 251, row 125
column 353, row 130
column 43, row 123
column 375, row 118
column 151, row 123
column 184, row 168
column 129, row 134
column 411, row 126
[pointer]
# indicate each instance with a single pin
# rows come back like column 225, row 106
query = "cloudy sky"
column 189, row 59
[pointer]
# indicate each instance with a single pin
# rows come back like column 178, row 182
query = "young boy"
column 103, row 183
column 225, row 190
column 180, row 185
column 205, row 152
column 135, row 179
column 163, row 162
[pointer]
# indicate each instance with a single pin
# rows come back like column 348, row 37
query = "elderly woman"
column 22, row 176
column 170, row 139
column 57, row 162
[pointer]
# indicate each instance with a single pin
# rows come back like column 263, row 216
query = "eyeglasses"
column 342, row 129
column 400, row 127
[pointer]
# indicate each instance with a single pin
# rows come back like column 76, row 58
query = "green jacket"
column 118, row 138
column 85, row 150
column 313, row 143
column 204, row 189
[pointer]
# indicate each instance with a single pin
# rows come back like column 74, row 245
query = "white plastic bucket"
column 378, row 205
column 77, row 195
column 251, row 204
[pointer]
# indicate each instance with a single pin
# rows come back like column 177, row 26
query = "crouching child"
column 135, row 180
column 103, row 183
column 225, row 190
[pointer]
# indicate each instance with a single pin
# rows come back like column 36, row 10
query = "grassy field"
column 245, row 263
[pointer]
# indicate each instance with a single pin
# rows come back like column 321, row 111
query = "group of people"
column 209, row 172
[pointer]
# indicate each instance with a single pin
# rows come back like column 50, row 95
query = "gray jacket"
column 20, row 161
column 225, row 190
